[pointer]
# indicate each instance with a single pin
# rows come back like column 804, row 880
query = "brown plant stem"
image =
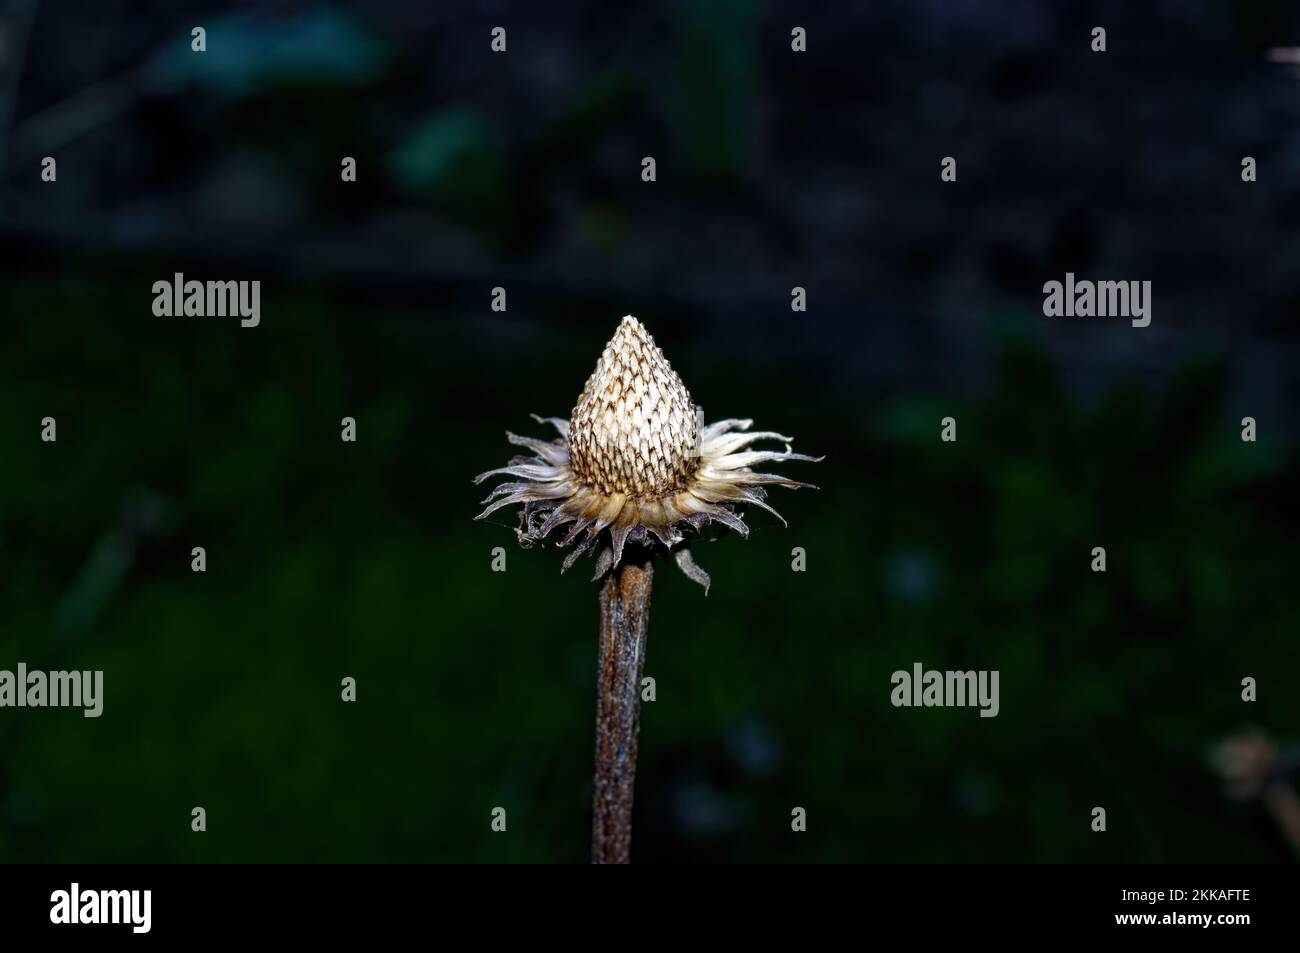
column 624, row 613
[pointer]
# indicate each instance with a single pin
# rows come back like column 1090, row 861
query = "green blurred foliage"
column 245, row 53
column 475, row 689
column 712, row 103
column 456, row 159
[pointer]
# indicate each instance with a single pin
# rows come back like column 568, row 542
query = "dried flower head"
column 635, row 463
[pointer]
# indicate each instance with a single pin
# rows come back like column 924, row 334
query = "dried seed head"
column 636, row 465
column 634, row 429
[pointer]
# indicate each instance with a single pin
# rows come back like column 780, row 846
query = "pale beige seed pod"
column 635, row 463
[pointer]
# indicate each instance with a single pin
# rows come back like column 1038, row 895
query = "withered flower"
column 636, row 463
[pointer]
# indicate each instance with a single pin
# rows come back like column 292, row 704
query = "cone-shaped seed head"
column 635, row 465
column 634, row 430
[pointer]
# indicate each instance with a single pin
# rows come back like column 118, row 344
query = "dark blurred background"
column 522, row 170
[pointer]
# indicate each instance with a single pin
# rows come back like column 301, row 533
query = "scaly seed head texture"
column 635, row 463
column 634, row 429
